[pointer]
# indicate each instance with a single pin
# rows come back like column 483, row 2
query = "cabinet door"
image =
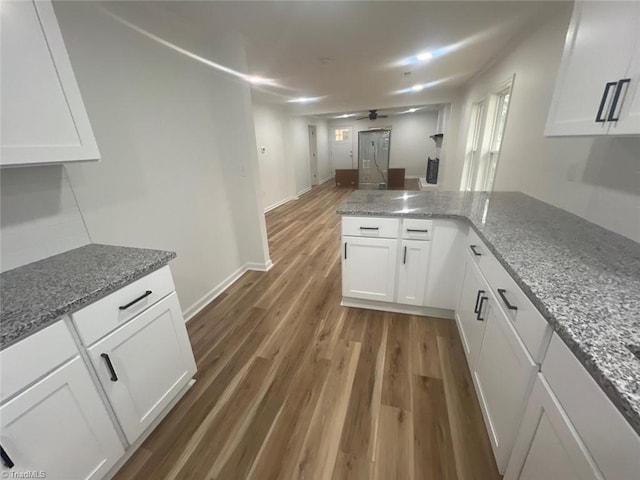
column 43, row 117
column 369, row 268
column 144, row 364
column 412, row 272
column 547, row 445
column 60, row 426
column 503, row 376
column 629, row 112
column 471, row 323
column 600, row 43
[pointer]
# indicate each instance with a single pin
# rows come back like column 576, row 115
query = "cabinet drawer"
column 96, row 320
column 417, row 229
column 371, row 227
column 533, row 329
column 609, row 438
column 476, row 247
column 32, row 358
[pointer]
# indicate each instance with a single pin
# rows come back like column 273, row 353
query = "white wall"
column 39, row 215
column 596, row 178
column 277, row 176
column 179, row 163
column 410, row 142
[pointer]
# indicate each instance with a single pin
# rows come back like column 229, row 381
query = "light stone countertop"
column 36, row 295
column 584, row 279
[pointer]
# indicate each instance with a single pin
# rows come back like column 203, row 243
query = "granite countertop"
column 36, row 295
column 585, row 280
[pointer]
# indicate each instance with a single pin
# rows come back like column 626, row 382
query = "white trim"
column 210, row 296
column 397, row 308
column 326, row 179
column 424, row 185
column 278, row 204
column 303, row 191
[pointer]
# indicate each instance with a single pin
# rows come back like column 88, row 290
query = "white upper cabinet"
column 596, row 90
column 43, row 117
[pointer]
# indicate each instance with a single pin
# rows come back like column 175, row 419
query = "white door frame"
column 332, row 129
column 313, row 154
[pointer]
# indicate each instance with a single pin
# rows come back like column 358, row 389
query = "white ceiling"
column 364, row 42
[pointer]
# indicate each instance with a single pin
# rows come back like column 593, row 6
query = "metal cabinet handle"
column 107, row 360
column 426, row 230
column 369, row 228
column 478, row 317
column 616, row 97
column 132, row 302
column 345, row 250
column 404, row 257
column 603, row 101
column 475, row 308
column 6, row 459
column 501, row 292
column 475, row 252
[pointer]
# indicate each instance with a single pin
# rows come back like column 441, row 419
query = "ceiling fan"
column 373, row 114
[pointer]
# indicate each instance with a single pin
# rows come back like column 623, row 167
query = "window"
column 341, row 134
column 499, row 122
column 472, row 154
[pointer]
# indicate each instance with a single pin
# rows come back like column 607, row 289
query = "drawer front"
column 476, row 247
column 533, row 329
column 35, row 356
column 417, row 229
column 370, row 227
column 611, row 441
column 96, row 320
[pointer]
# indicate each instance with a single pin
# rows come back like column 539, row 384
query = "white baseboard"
column 212, row 294
column 397, row 308
column 326, row 179
column 278, row 204
column 303, row 191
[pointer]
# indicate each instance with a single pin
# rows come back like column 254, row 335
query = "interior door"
column 313, row 154
column 60, row 426
column 342, row 147
column 144, row 364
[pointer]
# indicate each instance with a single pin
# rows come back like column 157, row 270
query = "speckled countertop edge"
column 41, row 293
column 621, row 386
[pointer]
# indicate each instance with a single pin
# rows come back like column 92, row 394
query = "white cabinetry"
column 503, row 375
column 59, row 424
column 144, row 364
column 369, row 268
column 597, row 90
column 43, row 117
column 470, row 311
column 548, row 446
column 412, row 272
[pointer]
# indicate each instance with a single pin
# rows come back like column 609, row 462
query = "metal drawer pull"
column 475, row 252
column 616, row 97
column 603, row 101
column 141, row 297
column 475, row 308
column 6, row 459
column 426, row 230
column 478, row 317
column 501, row 292
column 345, row 250
column 404, row 257
column 369, row 228
column 107, row 360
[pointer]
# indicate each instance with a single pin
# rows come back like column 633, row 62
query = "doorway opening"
column 313, row 154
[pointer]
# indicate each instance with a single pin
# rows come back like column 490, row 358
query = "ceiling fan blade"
column 361, row 118
column 383, row 116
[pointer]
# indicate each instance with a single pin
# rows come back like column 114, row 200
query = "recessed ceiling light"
column 411, row 110
column 256, row 80
column 346, row 115
column 417, row 88
column 424, row 56
column 303, row 100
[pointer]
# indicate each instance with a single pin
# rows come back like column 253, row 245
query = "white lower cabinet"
column 503, row 376
column 369, row 268
column 548, row 447
column 412, row 271
column 60, row 427
column 471, row 311
column 144, row 364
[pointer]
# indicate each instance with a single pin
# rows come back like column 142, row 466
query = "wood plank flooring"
column 292, row 385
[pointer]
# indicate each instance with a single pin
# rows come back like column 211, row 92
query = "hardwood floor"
column 292, row 385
